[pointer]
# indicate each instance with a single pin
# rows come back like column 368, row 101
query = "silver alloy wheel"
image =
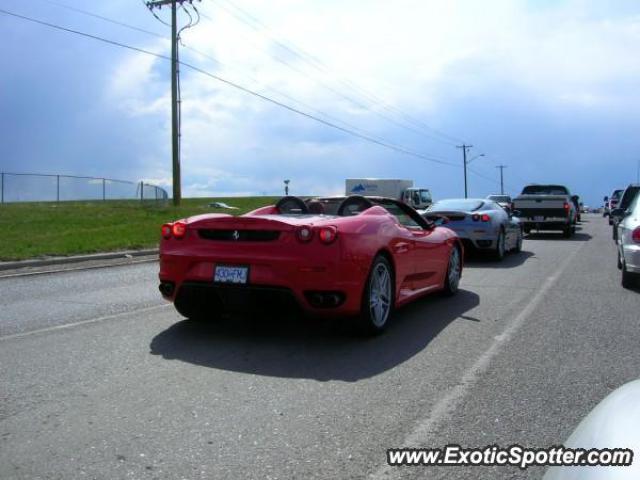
column 454, row 269
column 380, row 294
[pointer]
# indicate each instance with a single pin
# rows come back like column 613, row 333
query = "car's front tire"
column 378, row 297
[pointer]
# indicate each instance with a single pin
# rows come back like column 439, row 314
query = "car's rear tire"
column 194, row 308
column 454, row 272
column 500, row 250
column 378, row 298
column 629, row 279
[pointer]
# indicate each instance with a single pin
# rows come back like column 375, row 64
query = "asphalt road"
column 100, row 379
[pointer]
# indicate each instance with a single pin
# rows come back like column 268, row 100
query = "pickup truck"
column 546, row 207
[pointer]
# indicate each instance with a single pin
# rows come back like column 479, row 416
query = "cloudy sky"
column 548, row 87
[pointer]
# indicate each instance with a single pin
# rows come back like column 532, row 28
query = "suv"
column 618, row 213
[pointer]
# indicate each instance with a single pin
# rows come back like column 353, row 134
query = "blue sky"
column 549, row 88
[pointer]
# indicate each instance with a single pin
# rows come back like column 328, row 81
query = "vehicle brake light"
column 327, row 235
column 567, row 207
column 166, row 231
column 485, row 217
column 179, row 229
column 304, row 234
column 635, row 235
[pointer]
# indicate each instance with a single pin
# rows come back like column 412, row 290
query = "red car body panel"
column 419, row 257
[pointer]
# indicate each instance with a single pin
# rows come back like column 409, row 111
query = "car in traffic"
column 482, row 224
column 504, row 201
column 546, row 207
column 628, row 243
column 611, row 202
column 351, row 256
column 626, row 199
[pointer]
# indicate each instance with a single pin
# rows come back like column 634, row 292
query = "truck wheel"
column 500, row 250
column 378, row 298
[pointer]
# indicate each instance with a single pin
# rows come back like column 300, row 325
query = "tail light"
column 304, row 234
column 327, row 235
column 567, row 207
column 166, row 231
column 635, row 235
column 484, row 217
column 179, row 229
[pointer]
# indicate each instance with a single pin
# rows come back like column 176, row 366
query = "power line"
column 235, row 85
column 402, row 124
column 218, row 62
column 319, row 65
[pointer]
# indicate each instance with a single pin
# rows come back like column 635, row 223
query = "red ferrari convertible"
column 346, row 256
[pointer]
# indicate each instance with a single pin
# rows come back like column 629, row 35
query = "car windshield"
column 629, row 195
column 394, row 209
column 457, row 204
column 616, row 195
column 545, row 190
column 425, row 196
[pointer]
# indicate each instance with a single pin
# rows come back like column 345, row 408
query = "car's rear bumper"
column 551, row 224
column 274, row 282
column 632, row 257
column 476, row 237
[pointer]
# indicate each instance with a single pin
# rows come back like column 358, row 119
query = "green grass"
column 68, row 228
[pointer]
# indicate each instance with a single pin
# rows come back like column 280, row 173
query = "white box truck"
column 402, row 190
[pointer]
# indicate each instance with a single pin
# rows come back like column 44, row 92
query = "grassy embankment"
column 68, row 228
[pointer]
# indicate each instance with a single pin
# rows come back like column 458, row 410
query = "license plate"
column 230, row 274
column 538, row 219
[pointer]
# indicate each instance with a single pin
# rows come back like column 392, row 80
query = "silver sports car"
column 482, row 224
column 629, row 243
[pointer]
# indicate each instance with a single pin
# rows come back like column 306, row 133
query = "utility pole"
column 465, row 148
column 175, row 100
column 501, row 167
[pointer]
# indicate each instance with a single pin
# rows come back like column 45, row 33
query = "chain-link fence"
column 35, row 187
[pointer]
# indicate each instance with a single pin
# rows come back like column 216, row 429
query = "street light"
column 477, row 156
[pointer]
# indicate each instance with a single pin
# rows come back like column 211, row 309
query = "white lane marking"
column 84, row 322
column 75, row 269
column 447, row 404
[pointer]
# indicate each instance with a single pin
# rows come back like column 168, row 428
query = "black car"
column 626, row 200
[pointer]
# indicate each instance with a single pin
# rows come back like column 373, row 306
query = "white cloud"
column 424, row 57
